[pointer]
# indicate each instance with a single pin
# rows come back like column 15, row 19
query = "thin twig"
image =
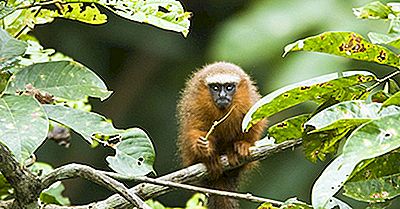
column 217, row 122
column 192, row 174
column 380, row 81
column 235, row 195
column 77, row 170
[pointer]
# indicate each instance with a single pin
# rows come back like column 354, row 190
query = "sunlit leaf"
column 165, row 14
column 74, row 11
column 370, row 140
column 373, row 10
column 374, row 190
column 371, row 175
column 23, row 125
column 294, row 203
column 345, row 44
column 388, row 39
column 63, row 79
column 340, row 87
column 134, row 155
column 331, row 180
column 393, row 100
column 374, row 138
column 197, row 201
column 348, row 114
column 291, row 128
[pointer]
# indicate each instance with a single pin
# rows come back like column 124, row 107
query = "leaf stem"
column 217, row 122
column 380, row 81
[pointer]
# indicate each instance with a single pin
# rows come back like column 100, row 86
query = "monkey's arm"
column 200, row 150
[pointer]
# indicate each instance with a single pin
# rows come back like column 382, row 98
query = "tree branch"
column 74, row 170
column 26, row 185
column 190, row 174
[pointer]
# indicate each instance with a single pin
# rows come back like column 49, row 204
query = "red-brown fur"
column 196, row 114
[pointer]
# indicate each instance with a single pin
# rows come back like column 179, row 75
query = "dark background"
column 146, row 67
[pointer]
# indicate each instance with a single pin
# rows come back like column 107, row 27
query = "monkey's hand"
column 204, row 147
column 242, row 148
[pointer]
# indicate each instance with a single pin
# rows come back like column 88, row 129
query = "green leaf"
column 345, row 44
column 293, row 203
column 374, row 190
column 63, row 79
column 134, row 155
column 373, row 10
column 74, row 11
column 369, row 177
column 134, row 151
column 341, row 87
column 388, row 39
column 23, row 125
column 331, row 180
column 4, row 76
column 86, row 124
column 9, row 47
column 374, row 138
column 197, row 201
column 53, row 195
column 348, row 114
column 393, row 100
column 154, row 204
column 370, row 140
column 6, row 189
column 291, row 128
column 165, row 14
column 319, row 145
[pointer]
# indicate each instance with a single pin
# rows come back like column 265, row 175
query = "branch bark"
column 190, row 174
column 26, row 185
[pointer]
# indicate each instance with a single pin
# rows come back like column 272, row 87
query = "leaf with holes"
column 62, row 79
column 134, row 155
column 23, row 125
column 348, row 114
column 10, row 48
column 341, row 87
column 346, row 44
column 376, row 181
column 86, row 124
column 370, row 140
column 165, row 14
column 75, row 11
column 374, row 190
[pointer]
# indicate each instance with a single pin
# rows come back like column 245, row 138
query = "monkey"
column 209, row 94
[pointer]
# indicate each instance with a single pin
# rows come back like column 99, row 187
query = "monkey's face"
column 222, row 94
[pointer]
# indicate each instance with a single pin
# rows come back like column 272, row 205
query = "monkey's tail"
column 229, row 181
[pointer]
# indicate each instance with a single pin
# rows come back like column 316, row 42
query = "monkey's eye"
column 230, row 87
column 214, row 87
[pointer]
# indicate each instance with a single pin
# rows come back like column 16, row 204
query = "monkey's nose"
column 223, row 103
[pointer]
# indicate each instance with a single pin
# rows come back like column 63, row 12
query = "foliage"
column 361, row 126
column 197, row 201
column 39, row 87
